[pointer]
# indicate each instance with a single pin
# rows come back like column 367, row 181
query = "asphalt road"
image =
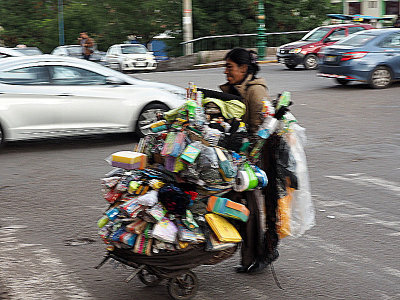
column 51, row 200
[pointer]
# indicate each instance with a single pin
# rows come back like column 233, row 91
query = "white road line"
column 362, row 179
column 367, row 215
column 344, row 256
column 30, row 271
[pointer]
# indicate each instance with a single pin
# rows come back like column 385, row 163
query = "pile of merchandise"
column 166, row 194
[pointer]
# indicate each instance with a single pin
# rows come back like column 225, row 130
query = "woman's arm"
column 256, row 93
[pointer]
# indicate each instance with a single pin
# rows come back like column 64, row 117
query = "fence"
column 246, row 40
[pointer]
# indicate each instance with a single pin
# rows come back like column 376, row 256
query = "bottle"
column 268, row 127
column 200, row 118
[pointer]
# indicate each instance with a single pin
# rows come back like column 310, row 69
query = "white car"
column 76, row 51
column 12, row 52
column 130, row 57
column 9, row 52
column 52, row 96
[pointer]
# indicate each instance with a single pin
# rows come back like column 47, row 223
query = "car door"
column 30, row 106
column 391, row 50
column 90, row 104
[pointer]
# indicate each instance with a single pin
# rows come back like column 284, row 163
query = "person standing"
column 260, row 239
column 87, row 44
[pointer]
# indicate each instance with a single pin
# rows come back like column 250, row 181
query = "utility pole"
column 60, row 23
column 261, row 37
column 187, row 26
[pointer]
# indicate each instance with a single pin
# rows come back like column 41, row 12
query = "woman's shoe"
column 242, row 269
column 257, row 267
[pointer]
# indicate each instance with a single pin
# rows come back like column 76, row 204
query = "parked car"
column 371, row 56
column 130, row 57
column 305, row 50
column 9, row 52
column 76, row 51
column 12, row 52
column 52, row 96
column 28, row 50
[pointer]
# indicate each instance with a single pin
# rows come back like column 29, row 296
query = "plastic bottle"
column 284, row 100
column 267, row 127
column 200, row 118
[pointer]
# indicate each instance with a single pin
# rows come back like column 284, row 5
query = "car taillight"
column 353, row 55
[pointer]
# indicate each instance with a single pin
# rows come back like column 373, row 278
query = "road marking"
column 343, row 256
column 368, row 215
column 33, row 272
column 362, row 179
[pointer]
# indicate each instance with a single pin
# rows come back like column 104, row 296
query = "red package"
column 112, row 196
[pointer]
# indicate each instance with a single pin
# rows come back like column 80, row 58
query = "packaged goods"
column 129, row 160
column 113, row 196
column 224, row 230
column 228, row 208
column 148, row 199
column 213, row 244
column 169, row 195
column 165, row 231
column 137, row 226
column 190, row 154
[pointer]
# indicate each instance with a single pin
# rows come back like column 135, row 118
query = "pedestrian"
column 87, row 44
column 260, row 239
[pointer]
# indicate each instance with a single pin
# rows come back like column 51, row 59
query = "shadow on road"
column 66, row 143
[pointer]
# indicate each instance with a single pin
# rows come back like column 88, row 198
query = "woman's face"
column 235, row 73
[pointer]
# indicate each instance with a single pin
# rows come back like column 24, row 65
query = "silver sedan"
column 50, row 96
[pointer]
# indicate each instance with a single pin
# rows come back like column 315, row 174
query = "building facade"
column 375, row 8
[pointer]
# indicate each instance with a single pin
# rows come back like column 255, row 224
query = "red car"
column 305, row 50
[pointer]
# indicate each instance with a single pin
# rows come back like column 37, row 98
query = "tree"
column 35, row 22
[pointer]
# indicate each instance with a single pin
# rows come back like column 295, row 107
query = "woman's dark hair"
column 242, row 56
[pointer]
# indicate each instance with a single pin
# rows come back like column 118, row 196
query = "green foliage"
column 35, row 22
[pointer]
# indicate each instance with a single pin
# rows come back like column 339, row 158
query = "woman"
column 259, row 233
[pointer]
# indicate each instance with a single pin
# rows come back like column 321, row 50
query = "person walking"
column 87, row 44
column 260, row 239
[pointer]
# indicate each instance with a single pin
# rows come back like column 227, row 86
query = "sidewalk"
column 219, row 64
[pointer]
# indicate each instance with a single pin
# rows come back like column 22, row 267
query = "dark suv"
column 305, row 50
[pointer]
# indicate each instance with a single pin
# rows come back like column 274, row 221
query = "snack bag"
column 165, row 231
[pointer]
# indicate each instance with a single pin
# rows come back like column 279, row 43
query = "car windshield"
column 29, row 51
column 316, row 34
column 356, row 40
column 133, row 49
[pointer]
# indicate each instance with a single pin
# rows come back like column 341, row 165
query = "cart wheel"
column 148, row 278
column 183, row 286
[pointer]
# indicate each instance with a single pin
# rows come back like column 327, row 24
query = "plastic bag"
column 302, row 209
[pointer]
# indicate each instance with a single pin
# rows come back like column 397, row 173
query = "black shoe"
column 241, row 269
column 257, row 267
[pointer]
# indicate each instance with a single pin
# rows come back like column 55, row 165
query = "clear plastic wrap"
column 302, row 209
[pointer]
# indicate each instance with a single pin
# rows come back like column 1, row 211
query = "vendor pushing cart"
column 212, row 176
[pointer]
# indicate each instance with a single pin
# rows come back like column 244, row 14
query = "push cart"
column 173, row 267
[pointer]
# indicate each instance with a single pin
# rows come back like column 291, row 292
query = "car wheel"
column 310, row 62
column 291, row 67
column 342, row 81
column 2, row 137
column 120, row 68
column 148, row 116
column 381, row 78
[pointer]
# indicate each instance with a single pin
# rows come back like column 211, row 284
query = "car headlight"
column 295, row 50
column 278, row 50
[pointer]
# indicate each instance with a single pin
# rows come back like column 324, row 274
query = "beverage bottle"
column 267, row 127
